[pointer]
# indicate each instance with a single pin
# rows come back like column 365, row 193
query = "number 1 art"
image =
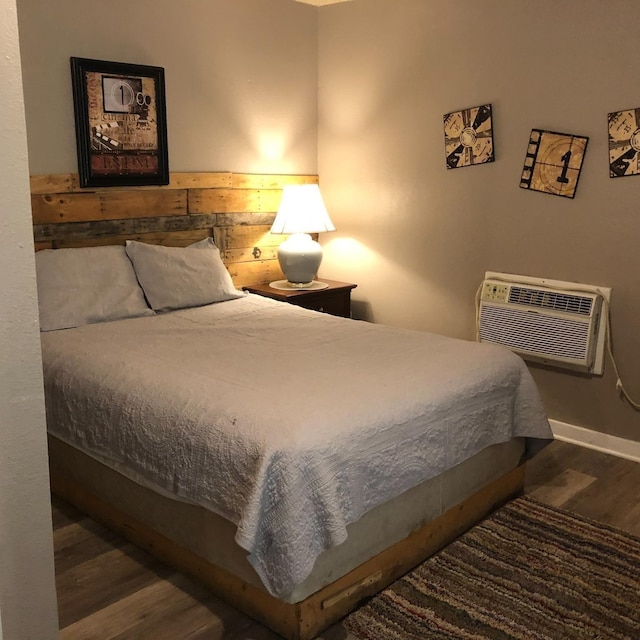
column 121, row 130
column 553, row 162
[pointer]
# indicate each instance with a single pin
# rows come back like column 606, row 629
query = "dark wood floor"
column 592, row 484
column 110, row 590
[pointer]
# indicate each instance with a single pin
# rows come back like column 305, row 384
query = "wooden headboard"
column 237, row 209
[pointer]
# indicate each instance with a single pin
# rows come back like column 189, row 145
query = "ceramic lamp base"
column 300, row 257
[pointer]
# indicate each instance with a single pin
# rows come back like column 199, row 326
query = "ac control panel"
column 494, row 291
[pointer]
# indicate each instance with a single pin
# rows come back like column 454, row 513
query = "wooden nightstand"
column 335, row 299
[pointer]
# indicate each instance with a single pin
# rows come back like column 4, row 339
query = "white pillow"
column 86, row 285
column 179, row 277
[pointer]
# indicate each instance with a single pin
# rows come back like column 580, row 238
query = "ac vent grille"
column 548, row 336
column 557, row 323
column 567, row 302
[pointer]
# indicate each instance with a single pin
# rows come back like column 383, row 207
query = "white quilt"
column 288, row 422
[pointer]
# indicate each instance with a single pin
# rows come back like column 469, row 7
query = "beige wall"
column 418, row 238
column 240, row 77
column 27, row 593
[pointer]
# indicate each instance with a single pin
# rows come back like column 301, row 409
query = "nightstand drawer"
column 337, row 303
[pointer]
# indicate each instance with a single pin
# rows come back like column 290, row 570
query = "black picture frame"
column 120, row 122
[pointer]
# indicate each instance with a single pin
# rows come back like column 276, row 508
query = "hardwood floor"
column 110, row 590
column 592, row 484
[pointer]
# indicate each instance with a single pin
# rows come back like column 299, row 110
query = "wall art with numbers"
column 553, row 162
column 624, row 143
column 121, row 127
column 468, row 137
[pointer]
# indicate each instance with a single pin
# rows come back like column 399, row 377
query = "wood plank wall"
column 237, row 209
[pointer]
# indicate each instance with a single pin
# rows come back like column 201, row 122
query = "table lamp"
column 301, row 212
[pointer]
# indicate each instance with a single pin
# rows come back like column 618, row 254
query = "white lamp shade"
column 302, row 210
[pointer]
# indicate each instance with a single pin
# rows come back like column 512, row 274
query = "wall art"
column 624, row 143
column 553, row 162
column 468, row 137
column 120, row 118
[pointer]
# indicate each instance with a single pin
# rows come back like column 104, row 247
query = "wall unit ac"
column 556, row 323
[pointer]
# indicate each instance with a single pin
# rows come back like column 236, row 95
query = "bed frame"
column 237, row 209
column 302, row 620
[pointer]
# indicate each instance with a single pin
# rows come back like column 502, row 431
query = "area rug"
column 527, row 572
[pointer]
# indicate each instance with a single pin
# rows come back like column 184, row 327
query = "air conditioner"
column 548, row 321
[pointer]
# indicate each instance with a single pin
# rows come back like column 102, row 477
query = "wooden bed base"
column 306, row 619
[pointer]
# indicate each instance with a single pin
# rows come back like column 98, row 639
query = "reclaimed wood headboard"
column 237, row 209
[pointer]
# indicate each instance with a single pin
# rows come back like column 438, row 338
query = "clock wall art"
column 624, row 143
column 553, row 162
column 468, row 137
column 121, row 127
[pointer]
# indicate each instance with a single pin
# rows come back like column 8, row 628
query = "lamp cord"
column 609, row 344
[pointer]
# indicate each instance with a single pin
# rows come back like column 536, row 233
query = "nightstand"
column 335, row 299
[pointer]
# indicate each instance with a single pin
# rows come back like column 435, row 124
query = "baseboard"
column 629, row 449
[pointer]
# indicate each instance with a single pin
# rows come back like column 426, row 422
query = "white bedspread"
column 288, row 422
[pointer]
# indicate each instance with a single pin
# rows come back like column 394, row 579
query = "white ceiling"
column 321, row 3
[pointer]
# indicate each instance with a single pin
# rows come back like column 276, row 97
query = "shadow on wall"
column 361, row 310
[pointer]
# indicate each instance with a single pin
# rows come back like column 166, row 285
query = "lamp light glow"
column 302, row 211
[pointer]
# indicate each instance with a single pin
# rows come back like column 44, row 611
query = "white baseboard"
column 613, row 445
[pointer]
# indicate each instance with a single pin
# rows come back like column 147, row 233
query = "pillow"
column 179, row 277
column 205, row 243
column 86, row 285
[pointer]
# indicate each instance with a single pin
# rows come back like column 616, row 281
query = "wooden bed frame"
column 306, row 619
column 237, row 209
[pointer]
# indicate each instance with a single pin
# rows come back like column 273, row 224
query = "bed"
column 296, row 462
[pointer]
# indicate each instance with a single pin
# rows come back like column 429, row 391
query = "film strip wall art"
column 553, row 162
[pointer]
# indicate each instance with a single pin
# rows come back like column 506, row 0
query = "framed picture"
column 468, row 137
column 624, row 143
column 121, row 126
column 553, row 162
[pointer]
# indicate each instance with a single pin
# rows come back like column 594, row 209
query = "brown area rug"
column 528, row 571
